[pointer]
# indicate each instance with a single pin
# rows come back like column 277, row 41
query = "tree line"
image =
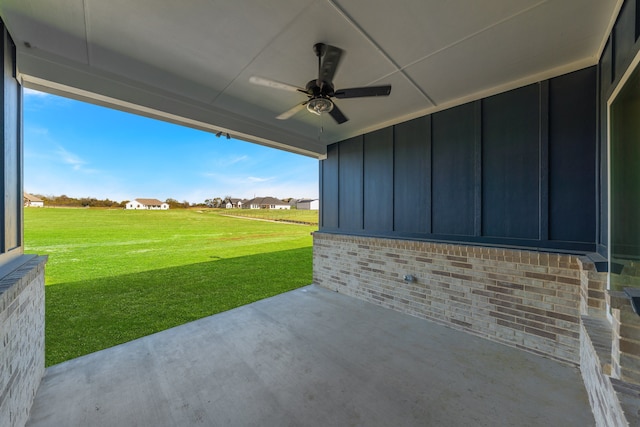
column 83, row 202
column 92, row 202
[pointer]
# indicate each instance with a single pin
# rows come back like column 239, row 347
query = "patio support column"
column 21, row 276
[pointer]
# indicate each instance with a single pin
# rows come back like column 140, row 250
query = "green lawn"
column 117, row 275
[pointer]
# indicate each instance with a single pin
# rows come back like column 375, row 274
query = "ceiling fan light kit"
column 320, row 91
column 320, row 105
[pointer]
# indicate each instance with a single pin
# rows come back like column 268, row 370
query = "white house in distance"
column 308, row 204
column 32, row 201
column 149, row 204
column 233, row 203
column 265, row 203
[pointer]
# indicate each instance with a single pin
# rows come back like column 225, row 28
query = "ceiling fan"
column 320, row 91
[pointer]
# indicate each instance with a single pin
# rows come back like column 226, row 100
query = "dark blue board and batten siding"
column 515, row 169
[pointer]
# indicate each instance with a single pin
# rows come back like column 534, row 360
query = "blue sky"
column 84, row 150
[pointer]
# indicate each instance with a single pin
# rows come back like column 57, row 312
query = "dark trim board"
column 11, row 154
column 516, row 169
column 577, row 248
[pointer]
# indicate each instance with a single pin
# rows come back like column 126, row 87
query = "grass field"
column 117, row 275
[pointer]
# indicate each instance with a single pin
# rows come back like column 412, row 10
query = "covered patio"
column 311, row 357
column 487, row 182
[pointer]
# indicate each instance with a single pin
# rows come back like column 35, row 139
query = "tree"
column 215, row 202
column 174, row 204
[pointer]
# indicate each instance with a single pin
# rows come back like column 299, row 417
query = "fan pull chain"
column 321, row 128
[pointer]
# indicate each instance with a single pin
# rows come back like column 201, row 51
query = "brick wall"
column 595, row 368
column 626, row 339
column 22, row 340
column 594, row 288
column 530, row 300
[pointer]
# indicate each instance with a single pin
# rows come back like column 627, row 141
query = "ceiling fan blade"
column 359, row 92
column 337, row 115
column 261, row 81
column 292, row 111
column 330, row 63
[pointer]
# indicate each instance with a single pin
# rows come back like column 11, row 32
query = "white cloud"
column 36, row 130
column 237, row 160
column 71, row 159
column 31, row 92
column 255, row 179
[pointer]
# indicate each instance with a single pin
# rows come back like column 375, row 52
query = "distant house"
column 32, row 201
column 308, row 204
column 233, row 203
column 265, row 203
column 150, row 204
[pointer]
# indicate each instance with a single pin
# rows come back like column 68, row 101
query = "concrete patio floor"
column 311, row 357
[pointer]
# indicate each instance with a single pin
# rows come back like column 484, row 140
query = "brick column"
column 626, row 339
column 21, row 340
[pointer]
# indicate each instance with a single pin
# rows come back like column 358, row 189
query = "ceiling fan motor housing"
column 324, row 90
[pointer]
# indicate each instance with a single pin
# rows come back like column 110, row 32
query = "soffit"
column 190, row 62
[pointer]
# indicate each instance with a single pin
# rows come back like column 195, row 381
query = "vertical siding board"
column 429, row 175
column 350, row 176
column 477, row 209
column 378, row 180
column 543, row 233
column 510, row 174
column 624, row 33
column 606, row 71
column 331, row 188
column 453, row 150
column 412, row 176
column 572, row 157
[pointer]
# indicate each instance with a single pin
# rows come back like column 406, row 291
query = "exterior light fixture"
column 320, row 105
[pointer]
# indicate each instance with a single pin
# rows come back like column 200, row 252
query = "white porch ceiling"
column 190, row 61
